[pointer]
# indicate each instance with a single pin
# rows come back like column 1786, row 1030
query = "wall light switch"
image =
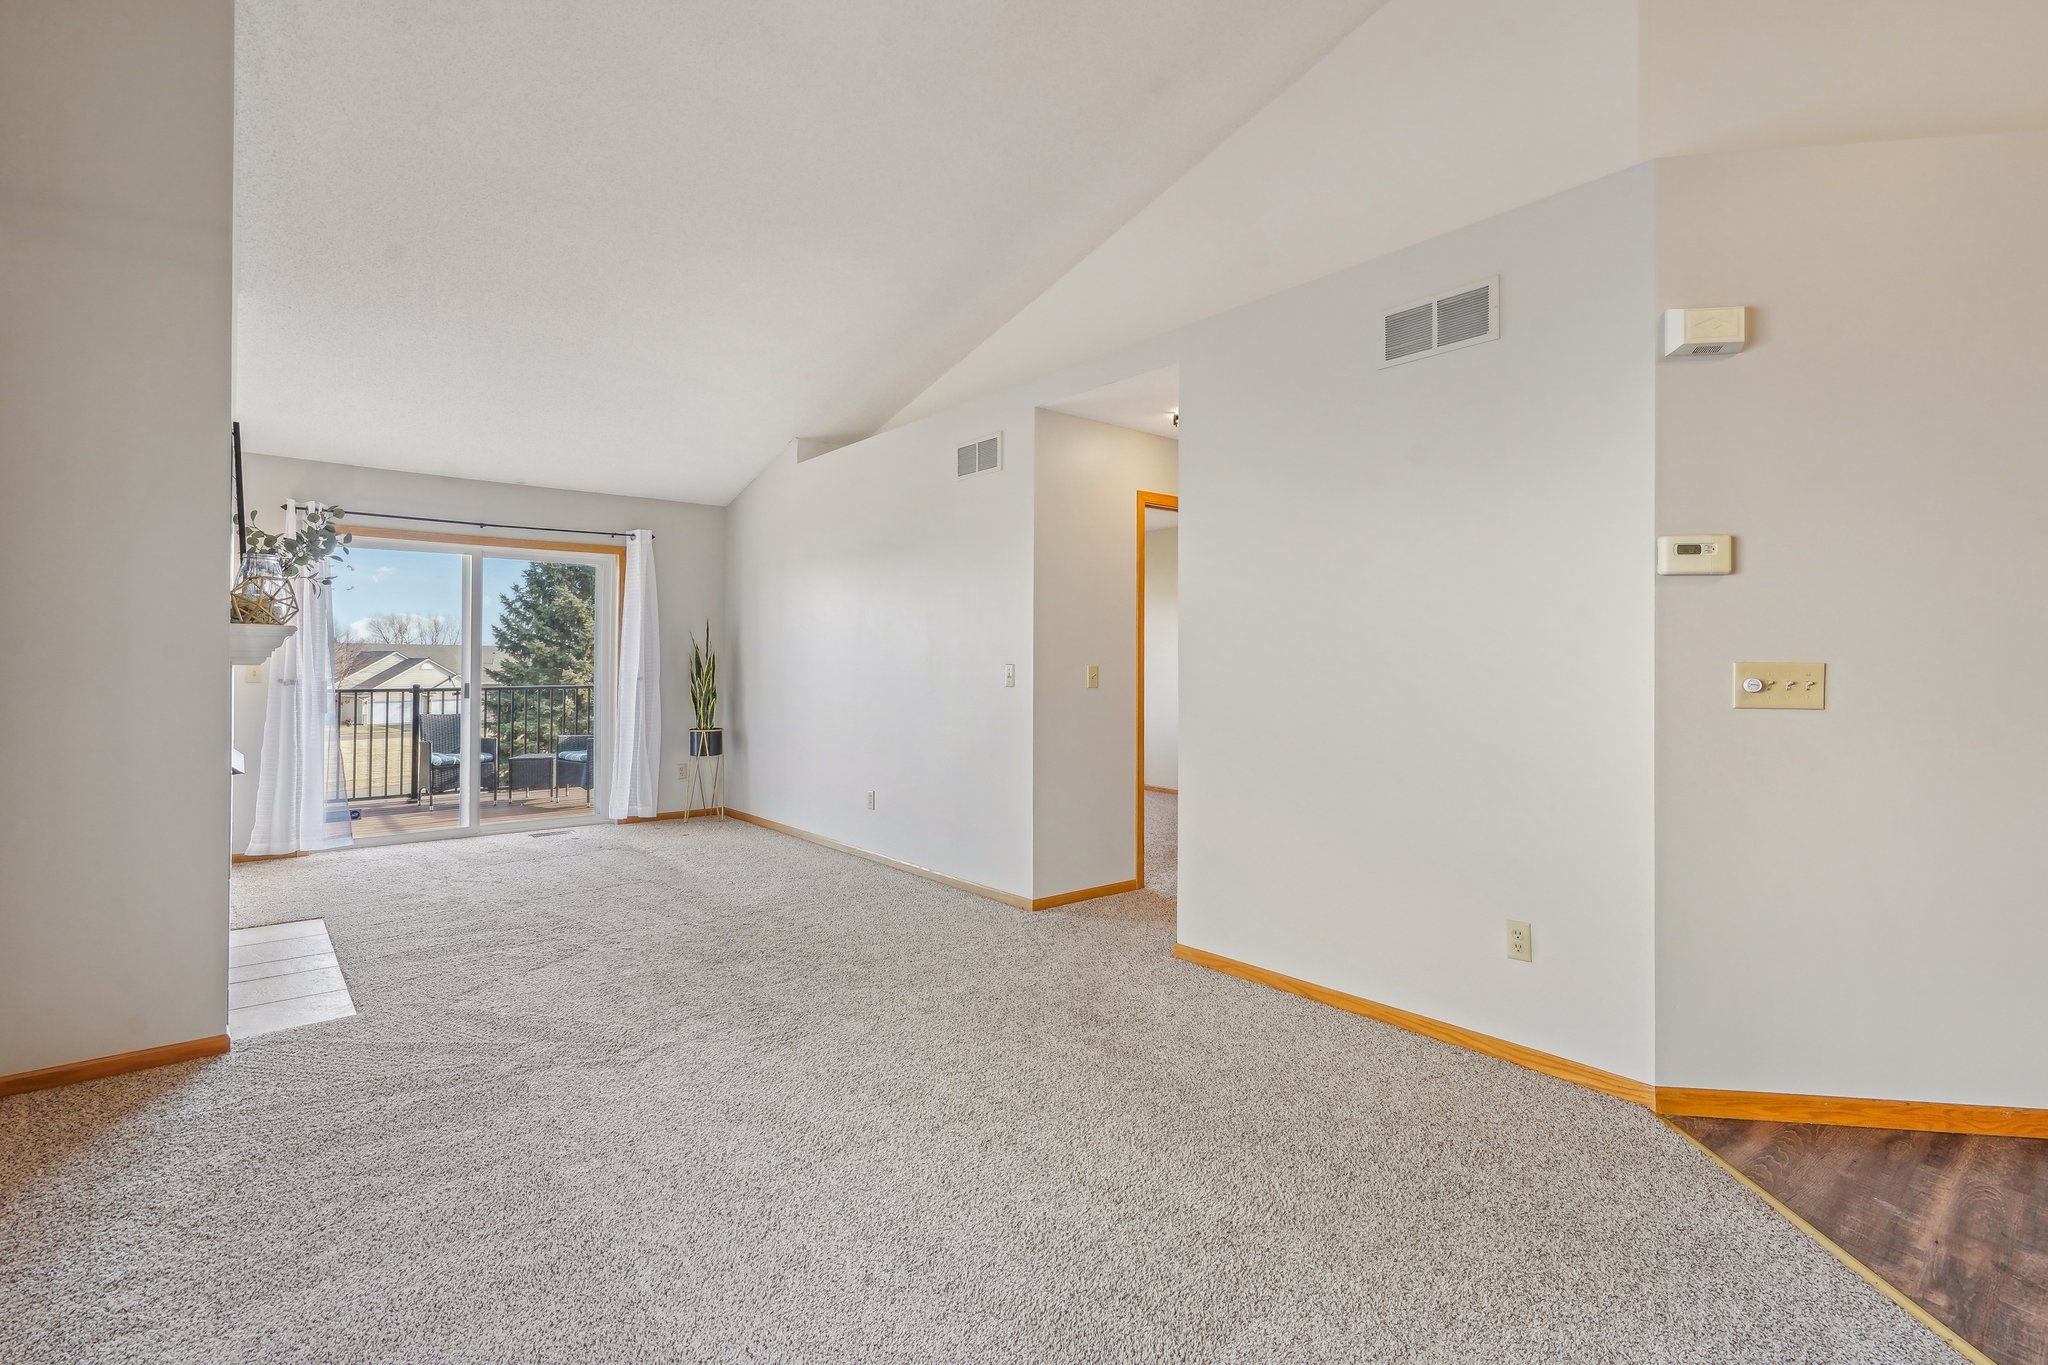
column 1095, row 675
column 1009, row 675
column 1695, row 554
column 1781, row 687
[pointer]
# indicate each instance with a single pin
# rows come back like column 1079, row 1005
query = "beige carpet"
column 1162, row 844
column 704, row 1092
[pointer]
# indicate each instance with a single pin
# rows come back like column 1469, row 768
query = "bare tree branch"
column 405, row 628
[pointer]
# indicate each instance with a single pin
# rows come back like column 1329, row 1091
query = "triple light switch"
column 1781, row 687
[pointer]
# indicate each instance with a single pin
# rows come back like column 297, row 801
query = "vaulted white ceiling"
column 637, row 246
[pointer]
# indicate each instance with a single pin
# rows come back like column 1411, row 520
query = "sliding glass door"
column 470, row 684
column 539, row 688
column 399, row 626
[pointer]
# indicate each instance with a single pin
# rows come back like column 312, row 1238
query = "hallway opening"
column 1158, row 692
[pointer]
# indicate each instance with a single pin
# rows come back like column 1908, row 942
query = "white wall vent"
column 1443, row 322
column 979, row 457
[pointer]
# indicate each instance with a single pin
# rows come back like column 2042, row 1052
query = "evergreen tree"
column 546, row 626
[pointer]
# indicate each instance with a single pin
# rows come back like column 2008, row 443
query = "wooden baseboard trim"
column 1163, row 791
column 1563, row 1068
column 1074, row 897
column 1663, row 1100
column 73, row 1072
column 669, row 815
column 1834, row 1249
column 958, row 884
column 263, row 857
column 1919, row 1115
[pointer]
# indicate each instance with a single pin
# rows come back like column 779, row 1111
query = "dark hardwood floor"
column 1957, row 1223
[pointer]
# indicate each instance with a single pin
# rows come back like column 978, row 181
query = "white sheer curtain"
column 636, row 748
column 299, row 807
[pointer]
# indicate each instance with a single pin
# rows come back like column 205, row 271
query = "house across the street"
column 377, row 688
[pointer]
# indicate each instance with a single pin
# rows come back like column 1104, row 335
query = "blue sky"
column 421, row 584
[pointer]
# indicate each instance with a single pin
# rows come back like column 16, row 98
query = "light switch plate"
column 1781, row 687
column 1095, row 675
column 1696, row 554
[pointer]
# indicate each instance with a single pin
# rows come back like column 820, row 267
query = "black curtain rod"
column 490, row 525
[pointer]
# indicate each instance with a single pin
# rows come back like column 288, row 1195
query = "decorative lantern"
column 263, row 595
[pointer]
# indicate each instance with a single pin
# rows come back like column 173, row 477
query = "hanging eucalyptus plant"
column 264, row 594
column 310, row 552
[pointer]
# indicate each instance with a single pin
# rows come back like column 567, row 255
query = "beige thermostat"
column 1695, row 554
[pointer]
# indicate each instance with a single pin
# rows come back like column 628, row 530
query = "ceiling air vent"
column 979, row 457
column 1463, row 317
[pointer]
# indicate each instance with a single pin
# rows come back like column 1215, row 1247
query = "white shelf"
column 250, row 645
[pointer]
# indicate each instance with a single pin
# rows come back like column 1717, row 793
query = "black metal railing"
column 379, row 735
column 533, row 720
column 385, row 733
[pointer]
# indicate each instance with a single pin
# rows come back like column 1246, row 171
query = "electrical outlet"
column 871, row 800
column 1095, row 675
column 683, row 771
column 253, row 674
column 1521, row 941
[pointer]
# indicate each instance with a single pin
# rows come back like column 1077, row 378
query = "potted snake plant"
column 706, row 739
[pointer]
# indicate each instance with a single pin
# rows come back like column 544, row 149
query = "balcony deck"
column 396, row 815
column 383, row 736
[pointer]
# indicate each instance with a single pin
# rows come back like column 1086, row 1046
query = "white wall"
column 115, row 201
column 1162, row 658
column 1085, row 586
column 1428, row 598
column 1388, row 747
column 878, row 599
column 1851, row 901
column 1415, row 665
column 1471, row 700
column 689, row 567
